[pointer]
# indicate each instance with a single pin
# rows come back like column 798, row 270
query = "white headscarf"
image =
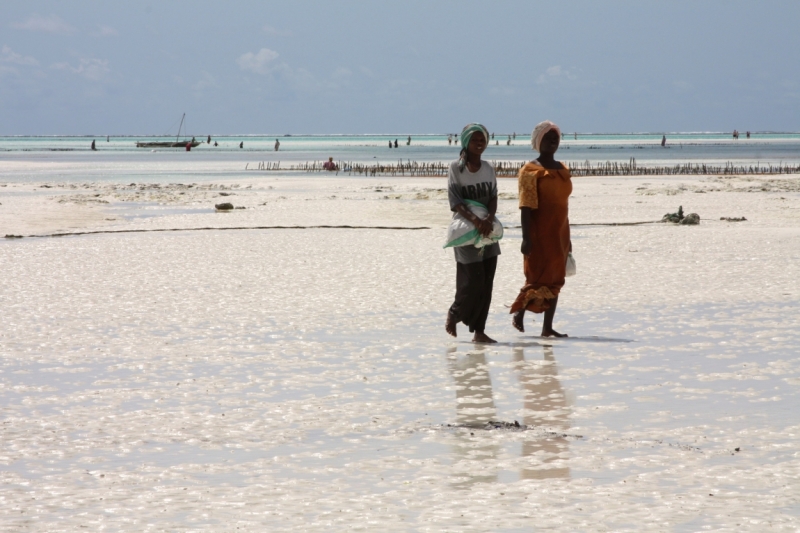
column 540, row 130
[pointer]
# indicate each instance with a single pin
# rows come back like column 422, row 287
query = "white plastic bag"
column 461, row 232
column 572, row 268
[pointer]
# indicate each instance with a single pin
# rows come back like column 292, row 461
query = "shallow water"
column 68, row 159
column 303, row 380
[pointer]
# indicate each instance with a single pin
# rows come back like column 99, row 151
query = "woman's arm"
column 492, row 207
column 484, row 226
column 525, row 213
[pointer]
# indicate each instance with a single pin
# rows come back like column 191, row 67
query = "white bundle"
column 461, row 232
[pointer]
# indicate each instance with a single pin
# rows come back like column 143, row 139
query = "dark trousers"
column 474, row 282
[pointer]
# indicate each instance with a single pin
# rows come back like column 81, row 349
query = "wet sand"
column 301, row 379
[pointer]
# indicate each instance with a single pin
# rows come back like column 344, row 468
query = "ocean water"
column 69, row 158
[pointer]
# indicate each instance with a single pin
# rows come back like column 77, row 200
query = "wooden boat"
column 170, row 144
column 179, row 144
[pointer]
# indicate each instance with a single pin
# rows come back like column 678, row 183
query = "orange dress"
column 546, row 192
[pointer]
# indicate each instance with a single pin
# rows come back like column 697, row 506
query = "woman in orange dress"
column 544, row 188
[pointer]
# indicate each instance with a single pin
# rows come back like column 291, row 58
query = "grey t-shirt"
column 480, row 186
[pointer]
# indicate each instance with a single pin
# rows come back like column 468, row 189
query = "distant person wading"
column 471, row 178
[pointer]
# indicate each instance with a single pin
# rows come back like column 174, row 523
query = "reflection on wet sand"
column 545, row 407
column 546, row 414
column 474, row 459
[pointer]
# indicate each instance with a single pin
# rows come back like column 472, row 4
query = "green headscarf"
column 466, row 135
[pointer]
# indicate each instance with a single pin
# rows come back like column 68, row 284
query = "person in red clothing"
column 330, row 165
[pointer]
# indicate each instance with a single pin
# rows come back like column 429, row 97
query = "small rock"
column 692, row 219
column 9, row 236
column 733, row 219
column 224, row 207
column 240, row 207
column 225, row 194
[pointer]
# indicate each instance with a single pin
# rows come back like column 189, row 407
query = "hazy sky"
column 370, row 66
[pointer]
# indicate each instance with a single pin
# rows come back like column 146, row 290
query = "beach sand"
column 301, row 379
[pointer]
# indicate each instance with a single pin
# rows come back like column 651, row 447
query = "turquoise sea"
column 27, row 158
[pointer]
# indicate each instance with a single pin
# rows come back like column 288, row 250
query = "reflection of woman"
column 470, row 178
column 474, row 459
column 544, row 189
column 546, row 406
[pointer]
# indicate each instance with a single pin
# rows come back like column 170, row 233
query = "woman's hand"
column 484, row 226
column 525, row 248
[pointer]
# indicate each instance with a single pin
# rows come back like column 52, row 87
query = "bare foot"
column 553, row 333
column 482, row 338
column 517, row 321
column 450, row 326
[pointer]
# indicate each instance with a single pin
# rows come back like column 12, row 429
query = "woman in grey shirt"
column 471, row 178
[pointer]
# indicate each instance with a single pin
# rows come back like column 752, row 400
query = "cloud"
column 298, row 79
column 90, row 68
column 555, row 73
column 258, row 62
column 275, row 32
column 301, row 79
column 7, row 55
column 51, row 24
column 206, row 80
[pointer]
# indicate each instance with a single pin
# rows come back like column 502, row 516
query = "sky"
column 89, row 67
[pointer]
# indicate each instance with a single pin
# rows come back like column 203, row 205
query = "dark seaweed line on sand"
column 225, row 229
column 396, row 228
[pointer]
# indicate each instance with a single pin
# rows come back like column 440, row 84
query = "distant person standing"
column 241, row 144
column 576, row 135
column 395, row 143
column 514, row 135
column 748, row 134
column 330, row 165
column 449, row 140
column 277, row 145
column 390, row 143
column 408, row 142
column 508, row 142
column 209, row 140
column 93, row 146
column 663, row 140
